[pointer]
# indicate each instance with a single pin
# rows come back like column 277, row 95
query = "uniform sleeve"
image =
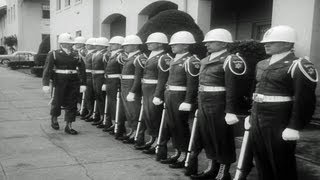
column 192, row 67
column 138, row 73
column 82, row 72
column 48, row 69
column 305, row 79
column 163, row 74
column 235, row 69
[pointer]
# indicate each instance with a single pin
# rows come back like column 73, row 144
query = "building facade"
column 28, row 20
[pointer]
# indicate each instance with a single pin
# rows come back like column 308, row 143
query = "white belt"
column 176, row 88
column 149, row 81
column 260, row 98
column 88, row 70
column 65, row 71
column 203, row 88
column 127, row 76
column 113, row 75
column 97, row 71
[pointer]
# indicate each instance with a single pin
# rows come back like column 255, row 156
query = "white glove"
column 231, row 119
column 104, row 87
column 83, row 89
column 247, row 124
column 185, row 107
column 290, row 134
column 130, row 97
column 46, row 89
column 157, row 101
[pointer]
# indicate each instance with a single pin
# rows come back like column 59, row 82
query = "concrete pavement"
column 30, row 149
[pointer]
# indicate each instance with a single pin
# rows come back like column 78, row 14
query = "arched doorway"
column 114, row 25
column 153, row 9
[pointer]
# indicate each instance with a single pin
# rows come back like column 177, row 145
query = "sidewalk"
column 30, row 149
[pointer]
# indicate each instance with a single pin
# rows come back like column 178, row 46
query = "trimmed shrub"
column 37, row 71
column 19, row 64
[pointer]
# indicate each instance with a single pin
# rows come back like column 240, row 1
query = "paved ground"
column 30, row 149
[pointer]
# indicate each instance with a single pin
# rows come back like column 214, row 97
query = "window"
column 67, row 3
column 45, row 11
column 58, row 4
column 78, row 33
column 44, row 36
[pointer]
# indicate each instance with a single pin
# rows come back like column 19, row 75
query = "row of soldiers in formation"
column 126, row 89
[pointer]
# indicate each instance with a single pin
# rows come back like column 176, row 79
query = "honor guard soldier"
column 98, row 78
column 153, row 86
column 283, row 103
column 79, row 47
column 89, row 95
column 113, row 68
column 131, row 85
column 180, row 95
column 61, row 66
column 220, row 73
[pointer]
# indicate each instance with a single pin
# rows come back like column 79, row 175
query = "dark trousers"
column 65, row 94
column 89, row 94
column 151, row 113
column 111, row 92
column 274, row 157
column 176, row 120
column 216, row 135
column 98, row 80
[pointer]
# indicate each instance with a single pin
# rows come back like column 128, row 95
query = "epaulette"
column 163, row 61
column 104, row 57
column 120, row 58
column 306, row 67
column 141, row 60
column 192, row 65
column 236, row 65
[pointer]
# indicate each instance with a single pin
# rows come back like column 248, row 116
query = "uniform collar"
column 133, row 53
column 216, row 54
column 154, row 53
column 277, row 57
column 179, row 56
column 115, row 52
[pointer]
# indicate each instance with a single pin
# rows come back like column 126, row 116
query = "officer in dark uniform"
column 61, row 67
column 89, row 95
column 112, row 83
column 153, row 86
column 283, row 104
column 98, row 79
column 219, row 83
column 180, row 95
column 80, row 48
column 131, row 86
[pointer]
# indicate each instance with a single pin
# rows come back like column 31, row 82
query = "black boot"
column 209, row 173
column 146, row 145
column 86, row 116
column 180, row 162
column 98, row 122
column 68, row 129
column 151, row 150
column 223, row 173
column 192, row 166
column 161, row 153
column 109, row 129
column 54, row 122
column 172, row 159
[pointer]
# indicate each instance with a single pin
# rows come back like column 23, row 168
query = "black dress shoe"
column 128, row 141
column 205, row 175
column 192, row 168
column 161, row 153
column 140, row 147
column 169, row 160
column 70, row 131
column 90, row 119
column 87, row 116
column 54, row 123
column 110, row 132
column 120, row 136
column 101, row 126
column 109, row 129
column 98, row 122
column 177, row 165
column 149, row 151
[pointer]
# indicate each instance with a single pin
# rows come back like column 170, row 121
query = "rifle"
column 52, row 93
column 116, row 126
column 244, row 146
column 193, row 132
column 161, row 127
column 82, row 103
column 105, row 111
column 139, row 121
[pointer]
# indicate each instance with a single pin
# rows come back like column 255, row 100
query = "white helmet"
column 182, row 37
column 221, row 35
column 280, row 34
column 80, row 40
column 91, row 41
column 65, row 38
column 102, row 41
column 116, row 40
column 131, row 39
column 157, row 37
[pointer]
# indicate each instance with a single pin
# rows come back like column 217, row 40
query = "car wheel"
column 5, row 61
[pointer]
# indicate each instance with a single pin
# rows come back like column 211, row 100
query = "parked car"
column 17, row 56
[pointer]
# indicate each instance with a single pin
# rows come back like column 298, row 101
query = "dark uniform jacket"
column 113, row 63
column 292, row 77
column 58, row 59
